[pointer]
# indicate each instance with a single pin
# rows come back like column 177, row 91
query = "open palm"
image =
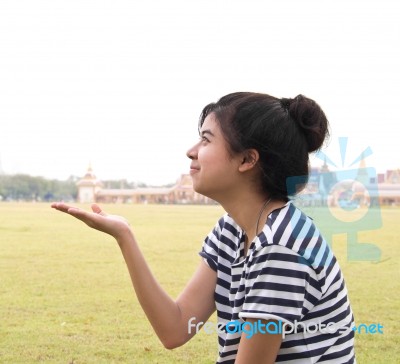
column 97, row 219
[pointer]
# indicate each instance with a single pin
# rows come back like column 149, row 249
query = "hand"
column 114, row 225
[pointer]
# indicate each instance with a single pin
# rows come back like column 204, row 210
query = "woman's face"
column 214, row 171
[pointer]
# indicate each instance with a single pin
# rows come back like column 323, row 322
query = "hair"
column 283, row 131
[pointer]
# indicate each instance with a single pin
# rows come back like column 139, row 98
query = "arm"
column 261, row 348
column 168, row 317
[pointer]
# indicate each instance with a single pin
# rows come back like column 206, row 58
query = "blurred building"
column 389, row 188
column 88, row 187
column 91, row 189
column 323, row 187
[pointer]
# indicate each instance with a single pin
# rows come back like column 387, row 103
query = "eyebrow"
column 206, row 131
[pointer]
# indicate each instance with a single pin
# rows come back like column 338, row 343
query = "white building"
column 90, row 190
column 88, row 187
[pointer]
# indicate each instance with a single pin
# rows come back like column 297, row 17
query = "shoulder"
column 223, row 241
column 291, row 236
column 287, row 226
column 225, row 228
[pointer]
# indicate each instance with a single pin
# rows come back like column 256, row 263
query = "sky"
column 120, row 84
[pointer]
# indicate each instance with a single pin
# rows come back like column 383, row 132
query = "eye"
column 204, row 139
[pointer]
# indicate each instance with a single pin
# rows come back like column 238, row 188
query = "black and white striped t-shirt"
column 290, row 275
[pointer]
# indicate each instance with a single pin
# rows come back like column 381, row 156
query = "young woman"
column 277, row 288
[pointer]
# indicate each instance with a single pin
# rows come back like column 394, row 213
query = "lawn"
column 66, row 297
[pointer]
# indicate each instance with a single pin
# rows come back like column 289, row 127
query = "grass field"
column 66, row 297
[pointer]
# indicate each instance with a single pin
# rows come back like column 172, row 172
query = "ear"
column 250, row 159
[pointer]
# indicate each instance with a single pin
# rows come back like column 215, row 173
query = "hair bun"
column 285, row 103
column 311, row 119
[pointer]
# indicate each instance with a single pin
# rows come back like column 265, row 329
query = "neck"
column 250, row 208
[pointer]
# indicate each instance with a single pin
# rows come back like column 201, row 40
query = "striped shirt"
column 289, row 275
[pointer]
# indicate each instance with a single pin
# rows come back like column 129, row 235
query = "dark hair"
column 283, row 131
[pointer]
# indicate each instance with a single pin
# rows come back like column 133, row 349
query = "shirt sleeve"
column 279, row 285
column 209, row 251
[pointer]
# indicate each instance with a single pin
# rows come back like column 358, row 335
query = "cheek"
column 205, row 155
column 213, row 157
column 208, row 158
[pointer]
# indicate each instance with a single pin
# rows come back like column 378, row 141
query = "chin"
column 197, row 188
column 208, row 193
column 205, row 190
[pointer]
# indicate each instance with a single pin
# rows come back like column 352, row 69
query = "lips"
column 194, row 168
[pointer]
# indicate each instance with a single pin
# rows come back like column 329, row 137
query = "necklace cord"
column 261, row 212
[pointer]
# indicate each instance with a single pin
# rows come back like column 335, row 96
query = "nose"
column 192, row 152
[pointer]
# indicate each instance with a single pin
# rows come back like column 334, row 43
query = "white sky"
column 120, row 84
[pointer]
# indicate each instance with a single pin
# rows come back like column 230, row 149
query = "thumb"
column 97, row 209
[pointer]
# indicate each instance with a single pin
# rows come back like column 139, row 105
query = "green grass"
column 66, row 297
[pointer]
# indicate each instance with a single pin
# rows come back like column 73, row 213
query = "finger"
column 61, row 206
column 88, row 218
column 73, row 211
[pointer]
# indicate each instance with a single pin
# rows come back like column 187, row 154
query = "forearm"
column 168, row 317
column 161, row 310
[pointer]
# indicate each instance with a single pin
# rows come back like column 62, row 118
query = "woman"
column 277, row 288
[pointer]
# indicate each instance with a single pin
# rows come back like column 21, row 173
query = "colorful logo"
column 342, row 201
